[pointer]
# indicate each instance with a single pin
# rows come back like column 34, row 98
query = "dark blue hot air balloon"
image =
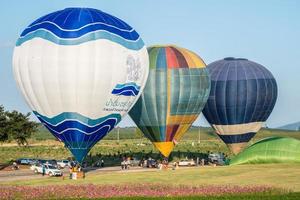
column 243, row 94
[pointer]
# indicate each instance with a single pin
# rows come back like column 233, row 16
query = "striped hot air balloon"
column 80, row 70
column 243, row 94
column 175, row 93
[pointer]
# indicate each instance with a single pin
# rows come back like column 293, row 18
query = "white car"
column 63, row 163
column 134, row 162
column 186, row 163
column 49, row 170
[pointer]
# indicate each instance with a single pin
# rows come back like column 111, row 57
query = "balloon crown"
column 233, row 58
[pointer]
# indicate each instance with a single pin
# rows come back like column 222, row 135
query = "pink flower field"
column 106, row 191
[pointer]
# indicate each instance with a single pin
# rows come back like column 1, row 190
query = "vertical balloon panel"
column 80, row 70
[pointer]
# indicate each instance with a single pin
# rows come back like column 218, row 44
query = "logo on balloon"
column 117, row 105
column 130, row 88
column 133, row 68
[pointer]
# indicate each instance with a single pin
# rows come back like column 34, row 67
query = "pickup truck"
column 49, row 170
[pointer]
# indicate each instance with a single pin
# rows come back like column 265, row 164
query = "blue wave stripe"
column 75, row 116
column 129, row 89
column 77, row 139
column 74, row 18
column 67, row 34
column 78, row 132
column 79, row 143
column 71, row 124
column 134, row 45
column 126, row 93
column 128, row 84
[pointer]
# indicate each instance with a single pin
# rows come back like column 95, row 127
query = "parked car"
column 25, row 161
column 49, row 169
column 151, row 163
column 43, row 161
column 186, row 162
column 134, row 162
column 216, row 158
column 63, row 163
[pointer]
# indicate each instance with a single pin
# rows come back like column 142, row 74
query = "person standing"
column 43, row 170
column 70, row 171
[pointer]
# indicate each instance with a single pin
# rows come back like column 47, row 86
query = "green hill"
column 206, row 133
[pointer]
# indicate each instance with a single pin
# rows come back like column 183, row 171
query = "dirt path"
column 27, row 174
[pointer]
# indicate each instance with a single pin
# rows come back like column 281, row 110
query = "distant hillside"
column 206, row 133
column 292, row 127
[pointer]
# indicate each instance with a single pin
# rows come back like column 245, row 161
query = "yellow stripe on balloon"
column 188, row 58
column 164, row 148
column 169, row 94
column 181, row 119
column 199, row 63
column 181, row 131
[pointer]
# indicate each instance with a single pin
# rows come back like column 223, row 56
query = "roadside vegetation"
column 16, row 126
column 128, row 142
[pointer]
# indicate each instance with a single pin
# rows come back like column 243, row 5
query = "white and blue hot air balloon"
column 80, row 70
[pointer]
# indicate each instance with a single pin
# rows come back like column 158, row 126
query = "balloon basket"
column 78, row 175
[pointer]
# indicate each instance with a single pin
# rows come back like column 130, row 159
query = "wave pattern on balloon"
column 77, row 131
column 126, row 89
column 62, row 34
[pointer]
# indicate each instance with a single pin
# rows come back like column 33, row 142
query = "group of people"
column 163, row 164
column 126, row 163
column 148, row 162
column 77, row 169
column 99, row 163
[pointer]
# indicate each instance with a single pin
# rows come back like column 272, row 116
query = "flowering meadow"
column 91, row 191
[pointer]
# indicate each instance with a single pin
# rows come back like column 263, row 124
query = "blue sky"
column 267, row 32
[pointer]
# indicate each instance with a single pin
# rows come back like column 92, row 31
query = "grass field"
column 281, row 177
column 284, row 176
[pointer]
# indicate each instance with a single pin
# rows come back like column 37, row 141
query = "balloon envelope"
column 270, row 150
column 80, row 70
column 175, row 93
column 243, row 94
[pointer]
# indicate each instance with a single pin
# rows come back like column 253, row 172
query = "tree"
column 19, row 127
column 3, row 125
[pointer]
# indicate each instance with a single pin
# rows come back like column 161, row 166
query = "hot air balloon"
column 243, row 94
column 175, row 93
column 80, row 70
